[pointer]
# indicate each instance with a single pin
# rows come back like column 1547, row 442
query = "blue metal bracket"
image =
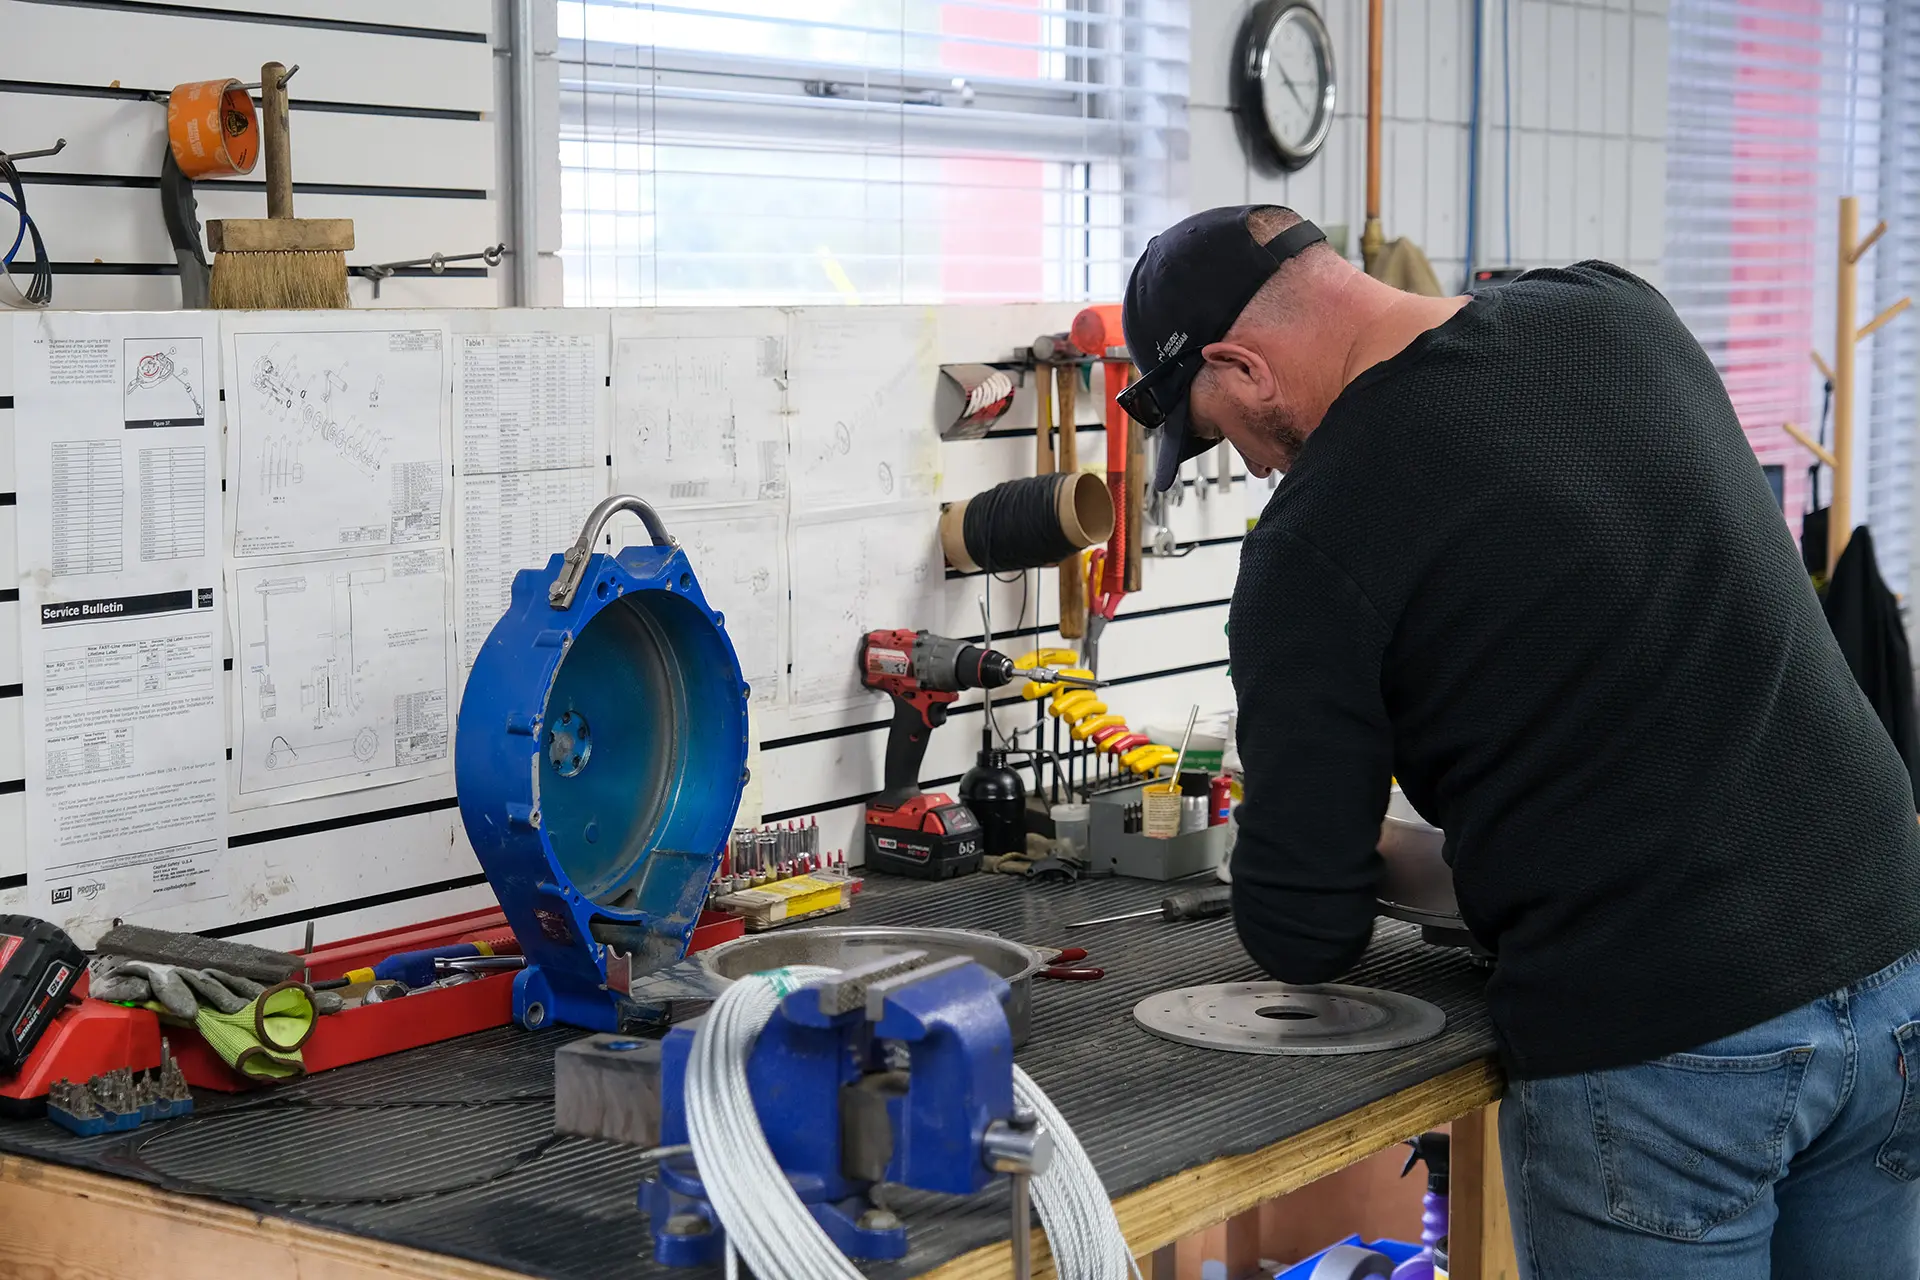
column 600, row 754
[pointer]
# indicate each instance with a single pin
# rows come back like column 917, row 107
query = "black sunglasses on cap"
column 1188, row 288
column 1143, row 405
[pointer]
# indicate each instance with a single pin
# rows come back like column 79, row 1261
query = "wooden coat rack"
column 1840, row 375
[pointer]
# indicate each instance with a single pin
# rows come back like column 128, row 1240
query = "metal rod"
column 525, row 142
column 257, row 84
column 1022, row 1230
column 7, row 157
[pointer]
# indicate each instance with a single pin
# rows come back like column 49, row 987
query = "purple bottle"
column 1432, row 1149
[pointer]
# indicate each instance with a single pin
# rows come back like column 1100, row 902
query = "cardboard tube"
column 1080, row 502
column 1086, row 510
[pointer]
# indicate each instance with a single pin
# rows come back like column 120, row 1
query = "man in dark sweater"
column 1524, row 560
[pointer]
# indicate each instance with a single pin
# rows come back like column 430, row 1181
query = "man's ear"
column 1232, row 361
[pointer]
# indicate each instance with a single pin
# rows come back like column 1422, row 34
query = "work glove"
column 256, row 1030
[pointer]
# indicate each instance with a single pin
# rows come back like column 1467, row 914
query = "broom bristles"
column 284, row 280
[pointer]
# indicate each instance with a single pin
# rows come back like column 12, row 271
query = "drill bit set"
column 758, row 856
column 776, row 874
column 116, row 1101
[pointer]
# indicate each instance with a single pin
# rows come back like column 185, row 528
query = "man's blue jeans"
column 1790, row 1150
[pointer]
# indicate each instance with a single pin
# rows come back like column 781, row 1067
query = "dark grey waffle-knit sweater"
column 1530, row 566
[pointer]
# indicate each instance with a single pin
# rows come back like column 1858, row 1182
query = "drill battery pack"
column 38, row 966
column 928, row 837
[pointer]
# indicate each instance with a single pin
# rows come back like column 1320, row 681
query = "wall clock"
column 1283, row 84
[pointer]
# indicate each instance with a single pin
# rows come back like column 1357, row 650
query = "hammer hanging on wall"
column 1073, row 583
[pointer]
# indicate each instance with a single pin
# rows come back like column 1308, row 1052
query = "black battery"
column 38, row 966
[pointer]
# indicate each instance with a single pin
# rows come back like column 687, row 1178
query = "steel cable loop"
column 763, row 1216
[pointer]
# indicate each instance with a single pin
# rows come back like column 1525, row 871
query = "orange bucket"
column 213, row 128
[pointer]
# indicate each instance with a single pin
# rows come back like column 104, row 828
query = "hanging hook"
column 435, row 262
column 54, row 150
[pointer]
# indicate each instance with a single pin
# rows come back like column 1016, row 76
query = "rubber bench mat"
column 450, row 1148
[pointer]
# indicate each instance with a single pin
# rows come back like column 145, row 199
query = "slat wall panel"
column 149, row 49
column 393, row 116
column 120, row 224
column 123, row 138
column 466, row 17
column 378, row 858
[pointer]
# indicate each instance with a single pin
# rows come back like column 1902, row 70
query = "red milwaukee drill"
column 928, row 836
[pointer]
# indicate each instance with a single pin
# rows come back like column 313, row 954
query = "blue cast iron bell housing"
column 601, row 750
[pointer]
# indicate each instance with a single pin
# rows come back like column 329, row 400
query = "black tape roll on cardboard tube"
column 1028, row 523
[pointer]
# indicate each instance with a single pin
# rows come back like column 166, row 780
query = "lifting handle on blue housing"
column 560, row 594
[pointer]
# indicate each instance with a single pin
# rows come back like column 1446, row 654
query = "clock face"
column 1283, row 84
column 1296, row 81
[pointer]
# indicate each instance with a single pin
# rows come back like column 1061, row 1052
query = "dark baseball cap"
column 1188, row 288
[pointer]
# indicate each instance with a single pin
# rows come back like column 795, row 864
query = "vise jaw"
column 897, row 1071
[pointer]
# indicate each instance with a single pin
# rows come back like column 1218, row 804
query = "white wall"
column 1589, row 93
column 373, row 859
column 392, row 126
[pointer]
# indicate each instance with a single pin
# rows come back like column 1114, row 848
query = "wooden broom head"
column 274, row 264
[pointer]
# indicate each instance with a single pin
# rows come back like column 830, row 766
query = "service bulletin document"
column 117, row 448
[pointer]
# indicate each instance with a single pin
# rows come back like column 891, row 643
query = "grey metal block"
column 608, row 1086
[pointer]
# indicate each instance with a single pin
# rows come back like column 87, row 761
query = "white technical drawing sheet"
column 121, row 625
column 739, row 556
column 337, row 431
column 855, row 572
column 507, row 523
column 860, row 394
column 697, row 405
column 345, row 674
column 530, row 390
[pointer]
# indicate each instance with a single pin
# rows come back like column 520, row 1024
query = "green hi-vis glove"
column 262, row 1039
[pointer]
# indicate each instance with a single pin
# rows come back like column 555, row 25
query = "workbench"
column 442, row 1161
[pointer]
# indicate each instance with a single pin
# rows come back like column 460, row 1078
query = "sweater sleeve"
column 1316, row 750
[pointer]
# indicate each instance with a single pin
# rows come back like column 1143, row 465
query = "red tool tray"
column 92, row 1037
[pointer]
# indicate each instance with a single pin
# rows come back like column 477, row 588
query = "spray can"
column 1219, row 801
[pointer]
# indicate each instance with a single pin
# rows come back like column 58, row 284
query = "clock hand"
column 1288, row 81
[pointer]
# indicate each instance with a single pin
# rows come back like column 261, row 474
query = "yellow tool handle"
column 1072, row 704
column 1048, row 658
column 1151, row 756
column 1091, row 725
column 1081, row 711
column 1033, row 690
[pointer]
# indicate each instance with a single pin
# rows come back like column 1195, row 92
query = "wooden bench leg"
column 1480, row 1234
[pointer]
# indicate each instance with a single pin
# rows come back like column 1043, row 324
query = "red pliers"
column 1062, row 968
column 1101, row 607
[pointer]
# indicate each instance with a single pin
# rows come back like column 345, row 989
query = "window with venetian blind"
column 879, row 151
column 1777, row 108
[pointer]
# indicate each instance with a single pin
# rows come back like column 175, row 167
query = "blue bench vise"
column 896, row 1071
column 599, row 757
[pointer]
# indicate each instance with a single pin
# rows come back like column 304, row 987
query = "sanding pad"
column 1272, row 1017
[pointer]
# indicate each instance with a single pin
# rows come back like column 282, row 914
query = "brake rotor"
column 1272, row 1017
